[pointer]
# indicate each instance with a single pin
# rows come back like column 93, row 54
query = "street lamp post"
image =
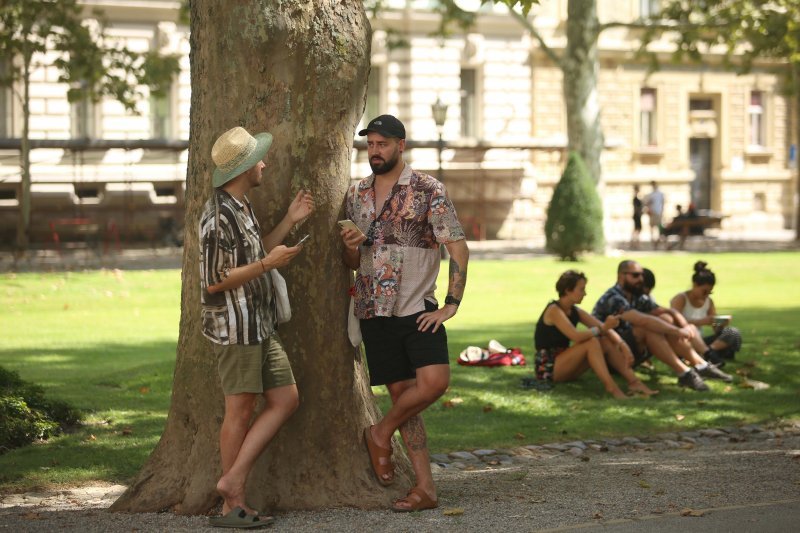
column 439, row 111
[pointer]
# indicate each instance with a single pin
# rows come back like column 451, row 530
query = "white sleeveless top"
column 694, row 313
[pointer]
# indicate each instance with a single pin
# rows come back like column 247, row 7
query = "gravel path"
column 746, row 480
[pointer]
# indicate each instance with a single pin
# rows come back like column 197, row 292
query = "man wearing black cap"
column 403, row 217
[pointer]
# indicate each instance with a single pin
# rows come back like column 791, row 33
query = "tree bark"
column 580, row 67
column 297, row 68
column 24, row 221
column 796, row 92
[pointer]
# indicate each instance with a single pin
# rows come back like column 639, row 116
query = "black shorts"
column 640, row 353
column 637, row 223
column 396, row 348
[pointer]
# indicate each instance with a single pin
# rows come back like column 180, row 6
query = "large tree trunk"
column 24, row 219
column 796, row 92
column 297, row 68
column 580, row 67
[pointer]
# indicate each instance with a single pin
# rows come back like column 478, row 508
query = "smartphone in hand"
column 348, row 224
column 303, row 240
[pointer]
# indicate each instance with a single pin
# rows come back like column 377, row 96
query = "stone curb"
column 484, row 458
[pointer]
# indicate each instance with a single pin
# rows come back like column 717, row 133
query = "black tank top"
column 549, row 337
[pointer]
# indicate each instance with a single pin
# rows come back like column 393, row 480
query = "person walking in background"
column 239, row 314
column 563, row 353
column 638, row 209
column 699, row 310
column 655, row 211
column 402, row 218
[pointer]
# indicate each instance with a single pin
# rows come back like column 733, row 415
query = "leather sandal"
column 376, row 453
column 417, row 500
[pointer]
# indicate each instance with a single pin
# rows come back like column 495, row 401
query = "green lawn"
column 105, row 342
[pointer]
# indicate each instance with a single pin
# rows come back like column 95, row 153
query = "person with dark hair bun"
column 563, row 353
column 699, row 310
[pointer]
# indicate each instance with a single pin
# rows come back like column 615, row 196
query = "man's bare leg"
column 620, row 359
column 416, row 440
column 659, row 347
column 684, row 350
column 281, row 402
column 410, row 398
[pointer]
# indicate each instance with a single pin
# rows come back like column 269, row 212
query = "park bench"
column 87, row 227
column 690, row 226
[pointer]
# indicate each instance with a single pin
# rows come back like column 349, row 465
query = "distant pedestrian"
column 655, row 211
column 638, row 209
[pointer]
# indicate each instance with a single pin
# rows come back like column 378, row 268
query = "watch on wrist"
column 452, row 300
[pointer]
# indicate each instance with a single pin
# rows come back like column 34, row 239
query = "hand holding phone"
column 353, row 239
column 348, row 224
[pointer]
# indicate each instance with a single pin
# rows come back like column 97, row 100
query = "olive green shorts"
column 253, row 368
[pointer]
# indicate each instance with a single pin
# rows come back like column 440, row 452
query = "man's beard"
column 255, row 177
column 384, row 166
column 636, row 290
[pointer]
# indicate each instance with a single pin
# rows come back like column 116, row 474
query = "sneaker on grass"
column 692, row 380
column 713, row 372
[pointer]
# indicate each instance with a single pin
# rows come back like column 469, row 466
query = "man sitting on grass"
column 643, row 332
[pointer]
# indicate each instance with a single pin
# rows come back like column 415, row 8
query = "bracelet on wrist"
column 263, row 268
column 452, row 300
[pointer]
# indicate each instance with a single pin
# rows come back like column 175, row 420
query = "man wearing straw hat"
column 239, row 314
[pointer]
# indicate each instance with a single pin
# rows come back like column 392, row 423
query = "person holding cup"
column 699, row 310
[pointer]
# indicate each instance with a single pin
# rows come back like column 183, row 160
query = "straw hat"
column 236, row 151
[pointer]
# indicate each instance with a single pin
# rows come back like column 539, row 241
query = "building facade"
column 705, row 135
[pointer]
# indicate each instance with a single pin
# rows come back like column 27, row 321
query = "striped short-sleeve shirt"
column 246, row 314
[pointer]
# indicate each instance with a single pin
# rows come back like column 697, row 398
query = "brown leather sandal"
column 417, row 500
column 376, row 453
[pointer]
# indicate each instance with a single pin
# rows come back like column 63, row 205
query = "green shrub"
column 575, row 214
column 27, row 415
column 21, row 425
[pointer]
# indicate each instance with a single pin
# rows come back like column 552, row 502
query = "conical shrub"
column 575, row 214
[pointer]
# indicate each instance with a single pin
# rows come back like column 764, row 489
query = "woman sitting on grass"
column 557, row 360
column 698, row 309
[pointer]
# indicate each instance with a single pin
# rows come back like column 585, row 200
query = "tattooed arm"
column 459, row 257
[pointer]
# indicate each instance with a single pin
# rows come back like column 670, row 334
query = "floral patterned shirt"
column 398, row 272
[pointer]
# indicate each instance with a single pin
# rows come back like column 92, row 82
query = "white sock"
column 701, row 366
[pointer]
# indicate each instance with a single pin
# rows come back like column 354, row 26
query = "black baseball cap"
column 386, row 125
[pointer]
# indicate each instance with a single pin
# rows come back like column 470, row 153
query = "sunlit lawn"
column 105, row 342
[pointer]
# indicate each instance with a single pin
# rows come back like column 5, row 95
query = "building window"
column 374, row 104
column 647, row 117
column 83, row 119
column 648, row 8
column 161, row 116
column 469, row 103
column 6, row 102
column 756, row 119
column 374, row 90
